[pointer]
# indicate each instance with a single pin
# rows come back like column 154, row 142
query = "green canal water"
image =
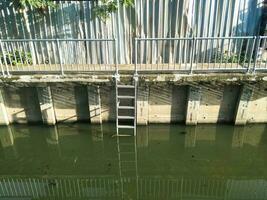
column 81, row 161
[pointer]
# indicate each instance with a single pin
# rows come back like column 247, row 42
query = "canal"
column 81, row 161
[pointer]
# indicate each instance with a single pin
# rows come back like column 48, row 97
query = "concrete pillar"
column 94, row 101
column 46, row 105
column 142, row 105
column 193, row 104
column 242, row 105
column 4, row 120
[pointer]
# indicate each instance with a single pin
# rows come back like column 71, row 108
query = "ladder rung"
column 126, row 97
column 126, row 107
column 125, row 126
column 130, row 152
column 125, row 117
column 128, row 144
column 125, row 86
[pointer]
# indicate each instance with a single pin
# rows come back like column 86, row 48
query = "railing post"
column 1, row 64
column 4, row 56
column 60, row 58
column 191, row 55
column 251, row 54
column 258, row 41
column 116, row 56
column 135, row 56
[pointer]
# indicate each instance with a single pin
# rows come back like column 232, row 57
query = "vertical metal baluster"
column 234, row 50
column 202, row 44
column 228, row 53
column 15, row 56
column 157, row 53
column 141, row 44
column 185, row 53
column 211, row 52
column 256, row 51
column 216, row 53
column 116, row 55
column 48, row 54
column 2, row 58
column 240, row 52
column 222, row 53
column 60, row 59
column 192, row 54
column 174, row 53
column 20, row 57
column 180, row 60
column 170, row 55
column 43, row 55
column 54, row 54
column 246, row 51
column 251, row 53
column 106, row 55
column 197, row 41
column 135, row 54
column 36, row 53
column 8, row 54
column 77, row 49
column 152, row 53
column 163, row 44
column 264, row 47
column 26, row 56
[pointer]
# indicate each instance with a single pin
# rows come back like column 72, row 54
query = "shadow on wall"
column 22, row 104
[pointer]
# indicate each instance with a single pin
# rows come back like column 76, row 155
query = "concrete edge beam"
column 94, row 101
column 46, row 105
column 193, row 104
column 241, row 116
column 4, row 120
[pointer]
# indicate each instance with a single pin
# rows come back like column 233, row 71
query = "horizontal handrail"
column 199, row 38
column 44, row 40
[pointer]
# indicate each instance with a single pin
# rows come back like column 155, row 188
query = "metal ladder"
column 130, row 106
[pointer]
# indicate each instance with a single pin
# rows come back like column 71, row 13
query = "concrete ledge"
column 149, row 77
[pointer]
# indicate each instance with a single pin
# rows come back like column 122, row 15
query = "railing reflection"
column 148, row 187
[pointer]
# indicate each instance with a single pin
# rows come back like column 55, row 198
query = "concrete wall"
column 157, row 103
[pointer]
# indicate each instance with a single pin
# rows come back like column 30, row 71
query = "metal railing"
column 57, row 55
column 246, row 54
column 201, row 54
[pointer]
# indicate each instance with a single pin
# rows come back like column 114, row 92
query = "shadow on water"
column 80, row 161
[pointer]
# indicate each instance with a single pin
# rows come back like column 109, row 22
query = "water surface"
column 81, row 161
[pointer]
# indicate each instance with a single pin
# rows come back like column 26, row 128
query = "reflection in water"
column 163, row 162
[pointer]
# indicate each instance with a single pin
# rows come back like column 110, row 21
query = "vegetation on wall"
column 231, row 57
column 105, row 8
column 16, row 58
column 35, row 4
